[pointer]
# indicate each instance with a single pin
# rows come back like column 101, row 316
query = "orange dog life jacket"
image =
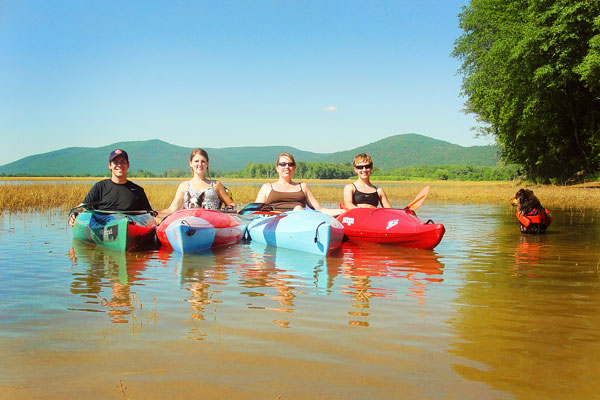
column 541, row 218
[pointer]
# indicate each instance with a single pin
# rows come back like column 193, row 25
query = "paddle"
column 413, row 205
column 253, row 207
column 89, row 207
column 75, row 211
column 418, row 201
column 132, row 212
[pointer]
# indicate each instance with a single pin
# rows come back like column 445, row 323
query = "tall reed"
column 39, row 196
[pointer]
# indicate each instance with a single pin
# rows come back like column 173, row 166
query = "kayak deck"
column 399, row 227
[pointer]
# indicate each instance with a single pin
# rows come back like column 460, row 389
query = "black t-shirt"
column 107, row 195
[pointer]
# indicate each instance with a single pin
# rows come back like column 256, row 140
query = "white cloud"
column 330, row 108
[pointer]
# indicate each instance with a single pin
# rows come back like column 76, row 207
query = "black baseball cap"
column 116, row 153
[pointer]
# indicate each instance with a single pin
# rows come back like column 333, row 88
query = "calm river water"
column 489, row 314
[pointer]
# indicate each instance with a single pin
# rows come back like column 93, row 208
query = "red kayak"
column 399, row 227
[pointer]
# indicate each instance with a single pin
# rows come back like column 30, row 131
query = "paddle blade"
column 252, row 207
column 418, row 201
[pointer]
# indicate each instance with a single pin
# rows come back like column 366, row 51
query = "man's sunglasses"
column 367, row 166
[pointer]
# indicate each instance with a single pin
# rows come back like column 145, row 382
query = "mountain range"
column 158, row 156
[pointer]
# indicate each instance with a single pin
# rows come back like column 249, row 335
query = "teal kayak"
column 115, row 230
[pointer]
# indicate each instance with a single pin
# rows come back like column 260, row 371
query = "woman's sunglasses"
column 367, row 166
column 289, row 164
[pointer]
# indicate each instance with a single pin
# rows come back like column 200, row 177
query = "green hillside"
column 412, row 149
column 158, row 156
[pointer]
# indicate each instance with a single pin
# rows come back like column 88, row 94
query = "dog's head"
column 525, row 201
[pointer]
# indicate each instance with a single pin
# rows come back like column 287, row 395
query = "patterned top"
column 207, row 198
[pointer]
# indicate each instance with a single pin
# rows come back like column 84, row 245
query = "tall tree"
column 531, row 75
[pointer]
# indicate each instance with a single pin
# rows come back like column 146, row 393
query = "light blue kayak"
column 304, row 230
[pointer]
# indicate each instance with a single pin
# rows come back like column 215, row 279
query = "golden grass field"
column 43, row 193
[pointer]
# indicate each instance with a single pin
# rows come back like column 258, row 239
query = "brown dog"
column 533, row 218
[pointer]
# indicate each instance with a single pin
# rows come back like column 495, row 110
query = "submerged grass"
column 38, row 194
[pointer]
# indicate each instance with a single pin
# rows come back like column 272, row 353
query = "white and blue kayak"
column 303, row 230
column 197, row 229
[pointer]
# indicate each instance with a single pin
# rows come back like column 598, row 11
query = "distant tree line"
column 319, row 170
column 451, row 172
column 304, row 170
column 314, row 170
column 141, row 173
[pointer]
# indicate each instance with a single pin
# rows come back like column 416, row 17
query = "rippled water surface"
column 489, row 314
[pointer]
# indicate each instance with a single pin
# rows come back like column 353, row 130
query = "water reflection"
column 491, row 313
column 527, row 316
column 106, row 269
column 275, row 278
column 361, row 263
column 531, row 251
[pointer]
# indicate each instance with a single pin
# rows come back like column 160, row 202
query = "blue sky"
column 321, row 76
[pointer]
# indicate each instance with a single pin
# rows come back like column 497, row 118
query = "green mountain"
column 158, row 156
column 412, row 149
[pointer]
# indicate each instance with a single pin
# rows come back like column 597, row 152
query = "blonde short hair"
column 362, row 157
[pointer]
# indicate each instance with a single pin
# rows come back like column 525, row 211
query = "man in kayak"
column 116, row 193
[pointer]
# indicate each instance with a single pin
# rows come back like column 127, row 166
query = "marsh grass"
column 38, row 194
column 141, row 315
column 123, row 390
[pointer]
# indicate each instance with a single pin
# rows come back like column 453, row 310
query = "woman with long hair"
column 200, row 191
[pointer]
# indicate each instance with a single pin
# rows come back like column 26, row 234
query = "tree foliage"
column 452, row 172
column 531, row 74
column 345, row 171
column 304, row 170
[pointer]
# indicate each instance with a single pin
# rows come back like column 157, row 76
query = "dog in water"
column 533, row 218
